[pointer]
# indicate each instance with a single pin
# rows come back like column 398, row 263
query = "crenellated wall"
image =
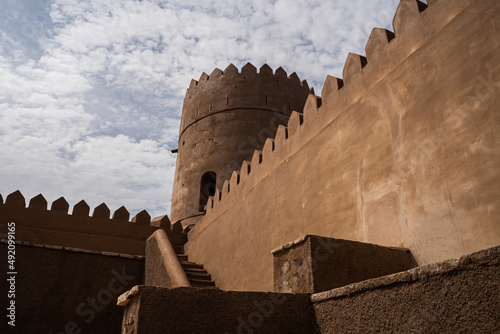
column 55, row 227
column 403, row 151
column 225, row 117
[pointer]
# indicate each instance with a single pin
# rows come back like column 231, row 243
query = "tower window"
column 207, row 188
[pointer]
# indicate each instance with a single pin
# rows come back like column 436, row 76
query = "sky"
column 91, row 91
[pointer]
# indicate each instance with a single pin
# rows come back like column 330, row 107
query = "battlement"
column 375, row 156
column 414, row 23
column 230, row 90
column 99, row 231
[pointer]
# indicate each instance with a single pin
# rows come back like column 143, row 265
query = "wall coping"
column 300, row 240
column 75, row 250
column 408, row 276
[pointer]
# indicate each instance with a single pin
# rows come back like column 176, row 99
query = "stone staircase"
column 196, row 274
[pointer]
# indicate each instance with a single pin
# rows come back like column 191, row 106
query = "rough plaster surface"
column 52, row 284
column 225, row 117
column 320, row 264
column 55, row 227
column 162, row 266
column 461, row 296
column 453, row 296
column 405, row 154
column 192, row 310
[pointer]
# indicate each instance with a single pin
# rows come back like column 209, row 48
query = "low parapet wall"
column 162, row 264
column 402, row 152
column 155, row 310
column 313, row 263
column 454, row 296
column 65, row 290
column 100, row 232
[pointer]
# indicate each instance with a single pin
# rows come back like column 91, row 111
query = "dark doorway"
column 207, row 188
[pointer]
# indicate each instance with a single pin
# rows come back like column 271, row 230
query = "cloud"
column 91, row 91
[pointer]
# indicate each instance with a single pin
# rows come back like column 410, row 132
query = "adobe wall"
column 225, row 117
column 314, row 264
column 455, row 296
column 403, row 152
column 97, row 231
column 193, row 310
column 67, row 290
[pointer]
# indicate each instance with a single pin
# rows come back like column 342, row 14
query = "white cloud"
column 91, row 91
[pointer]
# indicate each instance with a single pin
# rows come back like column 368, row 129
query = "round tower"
column 225, row 117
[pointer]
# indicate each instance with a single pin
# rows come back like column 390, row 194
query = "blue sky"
column 91, row 91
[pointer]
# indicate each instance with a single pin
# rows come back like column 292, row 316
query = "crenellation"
column 246, row 168
column 177, row 227
column 356, row 78
column 234, row 180
column 352, row 70
column 192, row 85
column 60, row 205
column 216, row 74
column 366, row 97
column 81, row 209
column 294, row 78
column 256, row 159
column 370, row 168
column 15, row 200
column 294, row 122
column 268, row 149
column 379, row 55
column 225, row 187
column 249, row 69
column 281, row 137
column 376, row 48
column 161, row 222
column 304, row 83
column 331, row 87
column 203, row 77
column 409, row 29
column 218, row 195
column 230, row 71
column 101, row 211
column 266, row 70
column 247, row 106
column 280, row 73
column 38, row 202
column 142, row 218
column 121, row 213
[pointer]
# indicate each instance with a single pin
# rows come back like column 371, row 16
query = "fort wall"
column 225, row 117
column 401, row 152
column 67, row 290
column 98, row 231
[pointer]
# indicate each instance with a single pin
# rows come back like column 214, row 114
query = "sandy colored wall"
column 210, row 311
column 455, row 296
column 67, row 291
column 315, row 264
column 225, row 117
column 96, row 231
column 403, row 152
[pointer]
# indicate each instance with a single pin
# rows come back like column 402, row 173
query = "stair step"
column 178, row 249
column 200, row 283
column 195, row 270
column 182, row 257
column 197, row 275
column 187, row 264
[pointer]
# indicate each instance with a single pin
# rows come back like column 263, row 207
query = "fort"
column 373, row 207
